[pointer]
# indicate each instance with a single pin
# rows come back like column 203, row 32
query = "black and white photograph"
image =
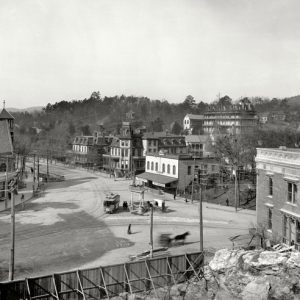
column 149, row 149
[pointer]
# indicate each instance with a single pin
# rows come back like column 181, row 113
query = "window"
column 297, row 231
column 292, row 192
column 148, row 165
column 189, row 172
column 168, row 169
column 156, row 166
column 270, row 186
column 174, row 170
column 152, row 166
column 270, row 218
column 163, row 168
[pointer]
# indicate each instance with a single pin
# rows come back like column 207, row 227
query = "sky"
column 53, row 50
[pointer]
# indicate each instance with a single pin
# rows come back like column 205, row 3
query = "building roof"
column 84, row 140
column 157, row 135
column 193, row 138
column 4, row 115
column 6, row 145
column 195, row 117
column 162, row 179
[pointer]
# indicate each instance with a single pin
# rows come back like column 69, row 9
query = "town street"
column 66, row 228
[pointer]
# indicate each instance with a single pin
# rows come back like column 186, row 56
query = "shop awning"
column 157, row 179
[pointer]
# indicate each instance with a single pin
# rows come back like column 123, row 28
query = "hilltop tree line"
column 54, row 128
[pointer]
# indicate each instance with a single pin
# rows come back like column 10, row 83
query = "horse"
column 181, row 237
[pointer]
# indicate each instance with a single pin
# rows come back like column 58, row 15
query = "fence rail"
column 107, row 281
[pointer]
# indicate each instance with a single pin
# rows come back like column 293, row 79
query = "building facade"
column 167, row 143
column 7, row 160
column 84, row 152
column 277, row 199
column 234, row 119
column 126, row 153
column 193, row 124
column 175, row 172
column 199, row 145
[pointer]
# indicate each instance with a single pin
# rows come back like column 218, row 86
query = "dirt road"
column 67, row 229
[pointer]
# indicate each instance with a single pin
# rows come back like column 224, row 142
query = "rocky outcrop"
column 237, row 274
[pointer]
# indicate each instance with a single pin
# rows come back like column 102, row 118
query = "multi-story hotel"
column 277, row 199
column 238, row 118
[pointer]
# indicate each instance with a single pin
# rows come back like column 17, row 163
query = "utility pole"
column 235, row 188
column 12, row 249
column 47, row 167
column 151, row 231
column 192, row 198
column 200, row 216
column 110, row 148
column 6, row 185
column 33, row 173
column 38, row 171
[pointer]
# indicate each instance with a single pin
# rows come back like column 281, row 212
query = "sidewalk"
column 27, row 192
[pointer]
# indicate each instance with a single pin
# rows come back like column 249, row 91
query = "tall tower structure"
column 6, row 116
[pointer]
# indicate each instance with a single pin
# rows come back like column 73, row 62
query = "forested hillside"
column 56, row 125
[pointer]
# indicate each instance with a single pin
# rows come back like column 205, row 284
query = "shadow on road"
column 68, row 183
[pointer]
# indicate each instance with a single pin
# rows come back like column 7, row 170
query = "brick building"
column 277, row 200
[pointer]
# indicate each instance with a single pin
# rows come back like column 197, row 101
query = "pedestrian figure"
column 227, row 202
column 22, row 197
column 174, row 195
column 186, row 200
column 129, row 229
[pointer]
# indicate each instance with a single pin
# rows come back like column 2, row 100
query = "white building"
column 174, row 172
column 193, row 123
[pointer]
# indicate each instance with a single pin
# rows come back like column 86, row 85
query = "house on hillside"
column 193, row 124
column 277, row 196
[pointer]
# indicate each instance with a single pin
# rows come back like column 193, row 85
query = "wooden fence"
column 108, row 281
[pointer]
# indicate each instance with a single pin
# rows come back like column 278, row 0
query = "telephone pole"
column 47, row 167
column 38, row 171
column 33, row 173
column 151, row 231
column 201, row 217
column 12, row 249
column 6, row 185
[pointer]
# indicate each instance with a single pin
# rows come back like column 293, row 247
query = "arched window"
column 156, row 166
column 164, row 168
column 148, row 165
column 152, row 165
column 174, row 170
column 168, row 169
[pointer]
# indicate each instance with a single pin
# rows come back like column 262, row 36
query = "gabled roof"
column 195, row 117
column 4, row 115
column 196, row 138
column 6, row 145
